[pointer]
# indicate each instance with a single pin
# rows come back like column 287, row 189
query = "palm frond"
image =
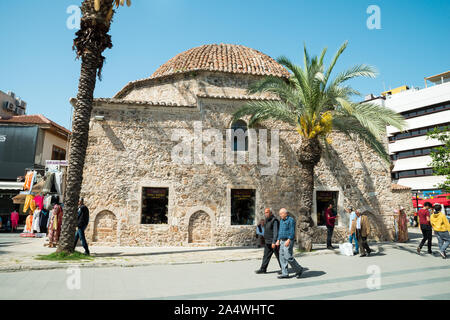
column 352, row 127
column 361, row 70
column 263, row 110
column 335, row 58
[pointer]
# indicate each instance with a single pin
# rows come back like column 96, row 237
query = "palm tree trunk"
column 309, row 156
column 92, row 39
column 78, row 146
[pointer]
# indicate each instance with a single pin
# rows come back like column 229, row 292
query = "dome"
column 222, row 58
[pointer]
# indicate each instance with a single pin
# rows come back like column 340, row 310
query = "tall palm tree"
column 90, row 42
column 316, row 104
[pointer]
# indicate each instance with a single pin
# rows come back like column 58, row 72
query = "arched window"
column 239, row 135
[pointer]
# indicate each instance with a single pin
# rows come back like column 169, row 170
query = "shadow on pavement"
column 123, row 254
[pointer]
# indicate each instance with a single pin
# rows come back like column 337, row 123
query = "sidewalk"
column 19, row 254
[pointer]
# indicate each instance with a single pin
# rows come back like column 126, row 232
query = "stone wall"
column 132, row 148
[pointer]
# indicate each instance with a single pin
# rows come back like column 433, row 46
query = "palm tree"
column 316, row 104
column 90, row 42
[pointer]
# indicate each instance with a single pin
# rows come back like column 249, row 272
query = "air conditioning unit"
column 20, row 112
column 12, row 94
column 8, row 106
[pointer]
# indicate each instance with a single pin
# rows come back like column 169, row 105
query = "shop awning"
column 8, row 185
column 20, row 198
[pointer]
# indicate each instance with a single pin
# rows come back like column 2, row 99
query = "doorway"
column 323, row 199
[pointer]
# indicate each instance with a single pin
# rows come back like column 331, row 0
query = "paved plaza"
column 395, row 271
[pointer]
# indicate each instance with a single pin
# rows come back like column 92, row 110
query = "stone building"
column 139, row 195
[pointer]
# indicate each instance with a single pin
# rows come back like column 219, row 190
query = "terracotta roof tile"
column 222, row 58
column 227, row 58
column 33, row 119
column 395, row 186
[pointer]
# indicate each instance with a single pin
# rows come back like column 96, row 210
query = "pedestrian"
column 441, row 227
column 352, row 235
column 330, row 220
column 361, row 226
column 416, row 223
column 402, row 225
column 271, row 227
column 425, row 227
column 285, row 240
column 260, row 233
column 83, row 220
column 14, row 220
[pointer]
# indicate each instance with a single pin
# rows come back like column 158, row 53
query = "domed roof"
column 222, row 58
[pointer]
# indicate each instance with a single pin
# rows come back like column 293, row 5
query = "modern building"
column 11, row 105
column 26, row 142
column 153, row 174
column 424, row 110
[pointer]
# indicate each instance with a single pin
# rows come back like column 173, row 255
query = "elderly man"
column 361, row 226
column 286, row 242
column 271, row 225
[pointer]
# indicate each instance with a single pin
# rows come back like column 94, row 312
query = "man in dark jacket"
column 83, row 220
column 271, row 226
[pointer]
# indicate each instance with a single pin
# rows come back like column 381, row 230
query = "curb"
column 64, row 265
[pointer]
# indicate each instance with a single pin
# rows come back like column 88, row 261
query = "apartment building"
column 424, row 110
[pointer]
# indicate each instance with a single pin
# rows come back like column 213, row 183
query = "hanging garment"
column 55, row 225
column 49, row 182
column 33, row 205
column 55, row 199
column 29, row 224
column 36, row 224
column 43, row 221
column 50, row 219
column 28, row 200
column 58, row 182
column 48, row 203
column 39, row 200
column 14, row 219
column 29, row 177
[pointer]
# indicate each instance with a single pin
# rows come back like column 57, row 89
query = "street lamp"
column 417, row 200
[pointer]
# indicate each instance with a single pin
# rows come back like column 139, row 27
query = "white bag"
column 346, row 249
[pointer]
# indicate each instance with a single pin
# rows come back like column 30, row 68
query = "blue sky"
column 38, row 64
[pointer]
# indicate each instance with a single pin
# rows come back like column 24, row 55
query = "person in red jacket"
column 425, row 227
column 330, row 220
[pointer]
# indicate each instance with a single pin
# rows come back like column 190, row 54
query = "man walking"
column 352, row 236
column 271, row 226
column 286, row 242
column 361, row 226
column 441, row 227
column 330, row 220
column 83, row 220
column 425, row 227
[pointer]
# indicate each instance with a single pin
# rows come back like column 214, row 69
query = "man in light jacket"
column 361, row 226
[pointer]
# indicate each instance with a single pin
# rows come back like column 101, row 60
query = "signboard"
column 156, row 193
column 62, row 163
column 55, row 165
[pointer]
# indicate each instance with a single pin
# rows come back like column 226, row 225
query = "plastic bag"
column 346, row 249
